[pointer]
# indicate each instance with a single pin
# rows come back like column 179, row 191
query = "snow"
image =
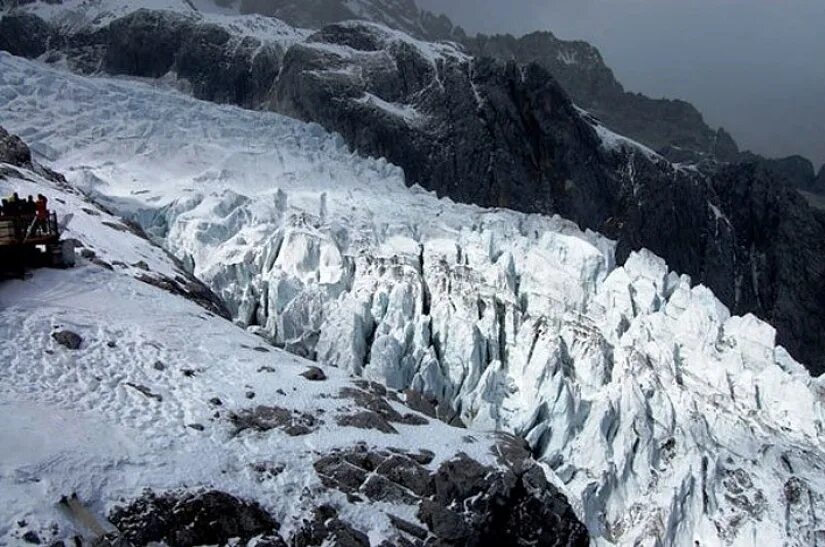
column 90, row 15
column 72, row 423
column 432, row 52
column 404, row 111
column 612, row 141
column 667, row 420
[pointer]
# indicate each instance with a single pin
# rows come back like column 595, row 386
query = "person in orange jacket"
column 42, row 214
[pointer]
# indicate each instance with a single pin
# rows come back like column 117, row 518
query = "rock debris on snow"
column 68, row 339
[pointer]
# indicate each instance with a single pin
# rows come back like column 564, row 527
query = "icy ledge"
column 667, row 420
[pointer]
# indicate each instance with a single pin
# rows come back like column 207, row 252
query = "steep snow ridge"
column 433, row 52
column 90, row 15
column 666, row 419
column 614, row 141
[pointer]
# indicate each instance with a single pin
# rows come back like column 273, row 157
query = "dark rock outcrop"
column 463, row 502
column 186, row 519
column 796, row 170
column 264, row 418
column 580, row 69
column 68, row 339
column 13, row 150
column 314, row 374
column 403, row 15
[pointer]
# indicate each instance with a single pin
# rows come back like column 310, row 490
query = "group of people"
column 34, row 212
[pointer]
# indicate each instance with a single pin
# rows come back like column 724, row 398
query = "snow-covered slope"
column 74, row 16
column 667, row 420
column 164, row 394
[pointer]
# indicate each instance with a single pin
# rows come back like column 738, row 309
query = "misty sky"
column 756, row 67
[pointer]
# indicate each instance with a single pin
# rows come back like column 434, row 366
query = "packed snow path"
column 667, row 420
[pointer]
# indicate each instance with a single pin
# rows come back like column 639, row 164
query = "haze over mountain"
column 754, row 67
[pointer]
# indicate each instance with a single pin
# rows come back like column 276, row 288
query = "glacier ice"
column 666, row 419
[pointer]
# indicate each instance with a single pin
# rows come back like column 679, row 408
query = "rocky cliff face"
column 490, row 133
column 402, row 15
column 672, row 126
column 796, row 170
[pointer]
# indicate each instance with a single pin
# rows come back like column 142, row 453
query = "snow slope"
column 89, row 15
column 666, row 419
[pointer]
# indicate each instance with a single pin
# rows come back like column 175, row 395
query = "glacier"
column 665, row 419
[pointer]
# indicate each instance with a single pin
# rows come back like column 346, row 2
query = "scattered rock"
column 188, row 372
column 265, row 418
column 196, row 427
column 260, row 349
column 250, row 394
column 141, row 265
column 365, row 419
column 68, row 339
column 159, row 366
column 88, row 254
column 101, row 263
column 327, row 529
column 314, row 374
column 111, row 344
column 267, row 470
column 185, row 519
column 145, row 391
column 266, row 368
column 31, row 537
column 215, row 401
column 408, row 527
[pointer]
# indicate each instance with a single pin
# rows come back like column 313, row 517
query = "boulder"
column 68, row 339
column 188, row 519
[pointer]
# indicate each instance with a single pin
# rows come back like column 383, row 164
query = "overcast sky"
column 756, row 67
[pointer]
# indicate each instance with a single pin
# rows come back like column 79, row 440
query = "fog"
column 756, row 67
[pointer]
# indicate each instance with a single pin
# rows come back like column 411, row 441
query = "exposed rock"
column 580, row 69
column 264, row 418
column 463, row 502
column 68, row 339
column 189, row 519
column 327, row 529
column 189, row 288
column 145, row 391
column 32, row 537
column 314, row 374
column 400, row 14
column 12, row 149
column 365, row 419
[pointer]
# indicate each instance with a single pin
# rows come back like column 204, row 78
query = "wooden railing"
column 23, row 229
